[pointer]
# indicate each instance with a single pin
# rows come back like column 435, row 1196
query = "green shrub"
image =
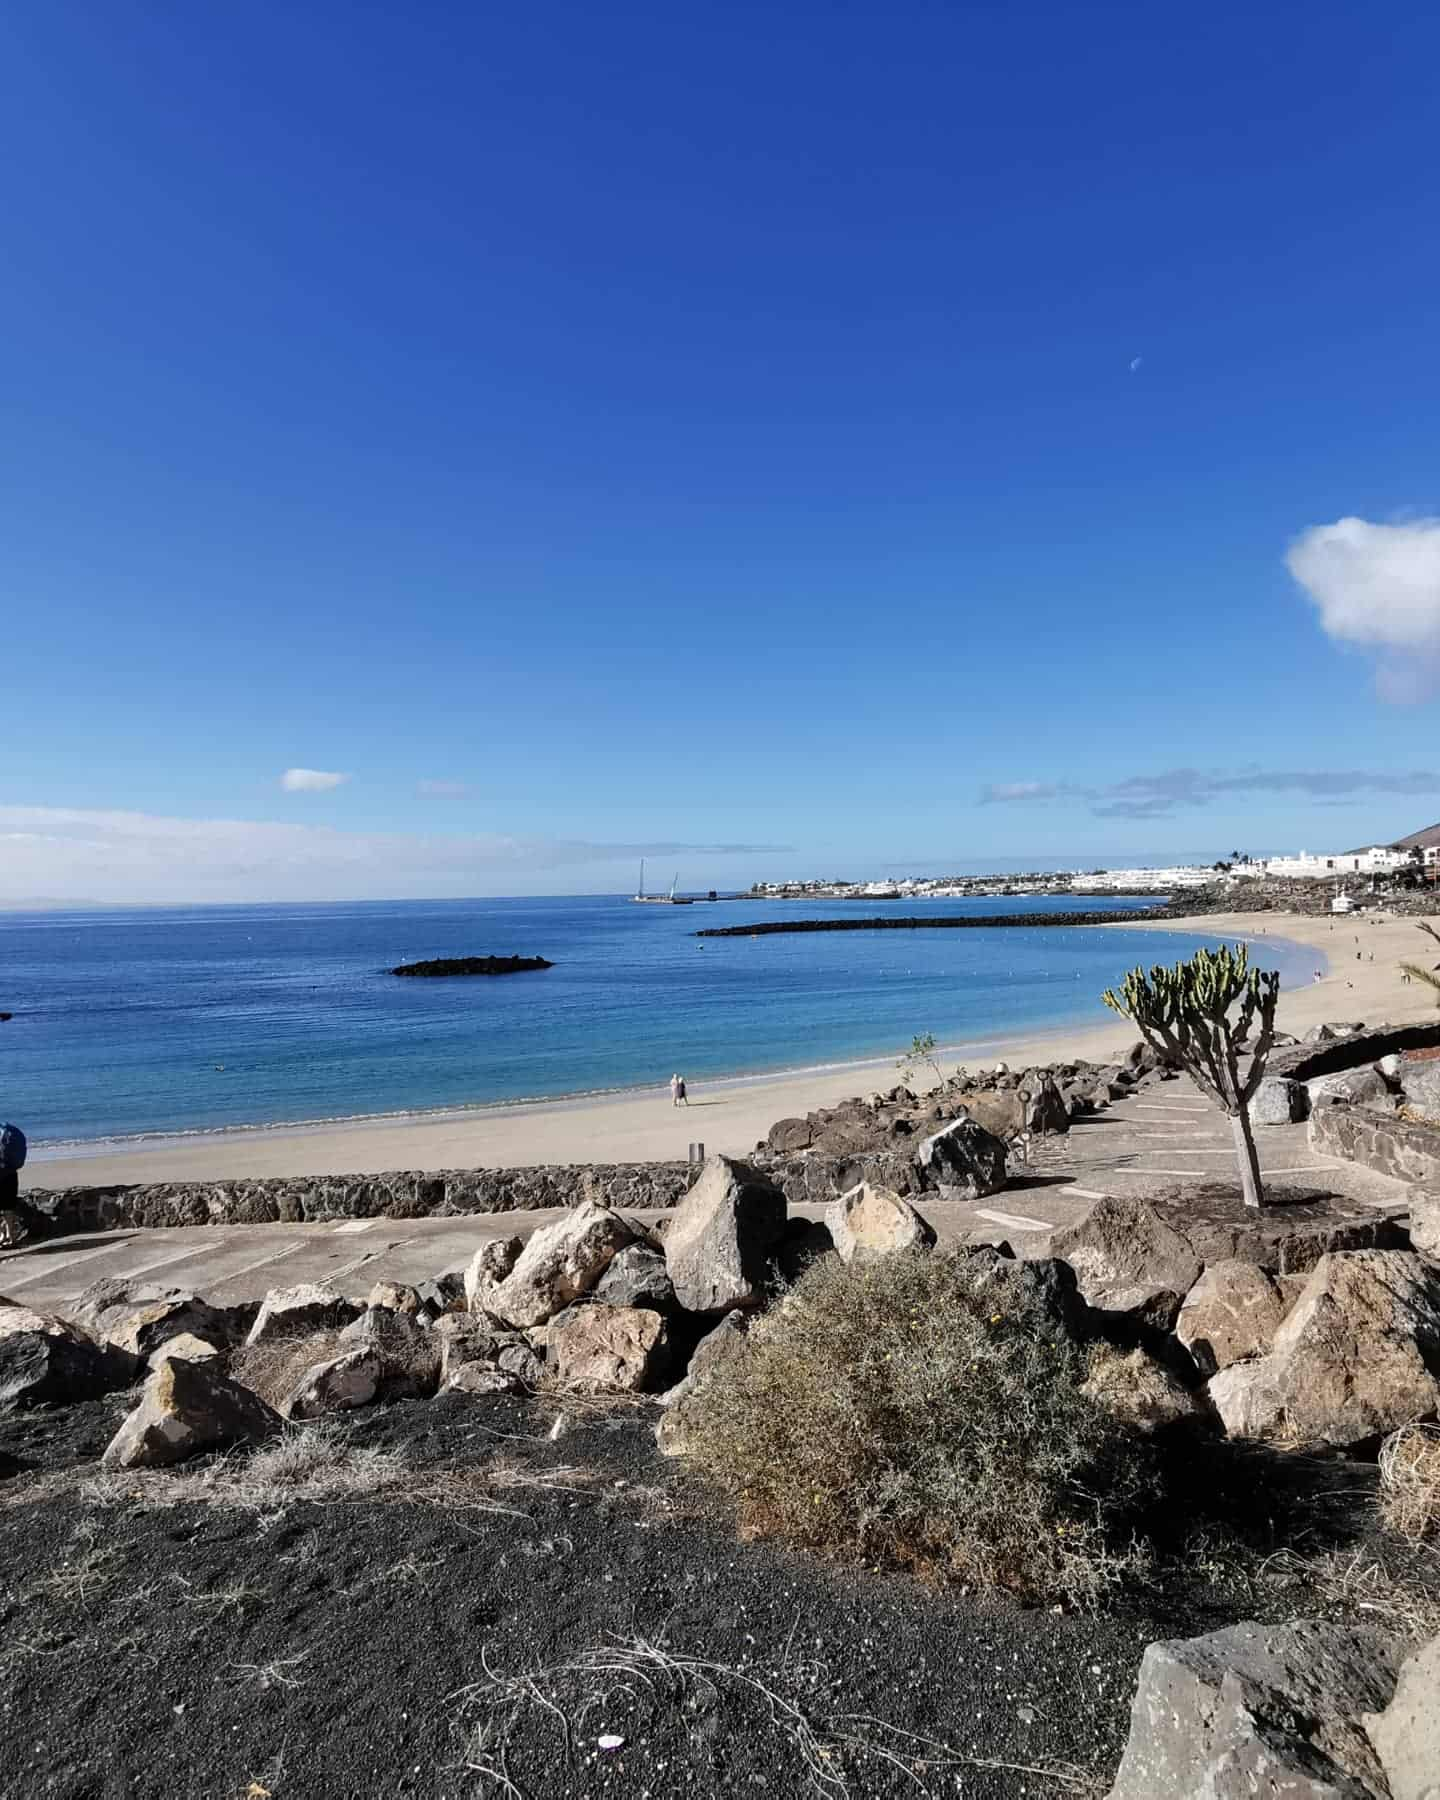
column 922, row 1411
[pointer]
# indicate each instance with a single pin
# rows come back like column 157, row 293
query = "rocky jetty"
column 438, row 967
column 771, row 927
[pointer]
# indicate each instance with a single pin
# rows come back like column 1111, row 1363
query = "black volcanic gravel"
column 314, row 1650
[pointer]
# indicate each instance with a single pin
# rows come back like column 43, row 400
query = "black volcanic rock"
column 473, row 965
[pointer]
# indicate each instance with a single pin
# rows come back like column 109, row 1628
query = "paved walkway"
column 1169, row 1135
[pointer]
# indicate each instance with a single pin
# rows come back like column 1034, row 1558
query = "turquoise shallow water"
column 121, row 1017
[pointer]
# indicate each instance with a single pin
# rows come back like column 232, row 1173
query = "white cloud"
column 67, row 853
column 449, row 790
column 1378, row 586
column 311, row 781
column 1004, row 793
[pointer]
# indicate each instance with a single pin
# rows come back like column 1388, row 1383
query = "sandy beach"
column 731, row 1115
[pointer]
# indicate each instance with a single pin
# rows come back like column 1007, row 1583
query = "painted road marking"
column 1309, row 1169
column 355, row 1225
column 1169, row 1106
column 1086, row 1193
column 271, row 1256
column 1148, row 1172
column 171, row 1256
column 1016, row 1221
column 53, row 1265
column 369, row 1256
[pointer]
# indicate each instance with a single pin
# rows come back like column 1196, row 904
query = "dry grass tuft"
column 273, row 1367
column 632, row 1682
column 904, row 1413
column 310, row 1462
column 1410, row 1481
column 319, row 1463
column 1401, row 1597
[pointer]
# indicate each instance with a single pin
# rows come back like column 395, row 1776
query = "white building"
column 1150, row 880
column 1378, row 860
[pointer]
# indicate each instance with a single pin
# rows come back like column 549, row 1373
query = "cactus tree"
column 1201, row 1014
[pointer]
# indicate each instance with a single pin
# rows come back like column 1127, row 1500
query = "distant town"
column 1413, row 861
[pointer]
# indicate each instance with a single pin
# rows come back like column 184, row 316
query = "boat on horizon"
column 641, row 898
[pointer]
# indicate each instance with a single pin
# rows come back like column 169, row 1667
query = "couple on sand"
column 677, row 1091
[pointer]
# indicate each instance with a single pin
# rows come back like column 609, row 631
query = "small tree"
column 1428, row 976
column 1185, row 1015
column 921, row 1055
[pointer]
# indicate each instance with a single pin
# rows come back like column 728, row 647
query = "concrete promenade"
column 1168, row 1136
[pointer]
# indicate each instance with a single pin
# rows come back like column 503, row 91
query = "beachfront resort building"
column 1156, row 881
column 1379, row 859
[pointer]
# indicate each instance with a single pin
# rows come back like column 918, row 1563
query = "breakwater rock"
column 440, row 966
column 770, row 927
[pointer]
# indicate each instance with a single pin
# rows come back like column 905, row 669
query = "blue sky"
column 872, row 431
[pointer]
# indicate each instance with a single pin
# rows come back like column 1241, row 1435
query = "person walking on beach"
column 16, row 1216
column 677, row 1091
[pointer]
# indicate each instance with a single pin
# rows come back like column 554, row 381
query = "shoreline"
column 729, row 1113
column 852, row 1070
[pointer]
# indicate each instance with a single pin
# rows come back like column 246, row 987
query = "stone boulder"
column 722, row 1238
column 1001, row 1114
column 1425, row 1222
column 789, row 1135
column 1280, row 1101
column 51, row 1362
column 1406, row 1735
column 610, row 1350
column 462, row 1338
column 1357, row 1356
column 870, row 1222
column 1041, row 1281
column 844, row 1132
column 394, row 1296
column 963, row 1160
column 1128, row 1261
column 137, row 1317
column 409, row 1353
column 717, row 1351
column 443, row 1294
column 336, row 1384
column 1351, row 1087
column 466, row 1338
column 488, row 1267
column 483, row 1378
column 1258, row 1710
column 188, row 1408
column 187, row 1347
column 1139, row 1391
column 1233, row 1311
column 637, row 1277
column 560, row 1263
column 1420, row 1082
column 298, row 1311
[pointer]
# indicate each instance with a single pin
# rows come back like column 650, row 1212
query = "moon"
column 1135, row 362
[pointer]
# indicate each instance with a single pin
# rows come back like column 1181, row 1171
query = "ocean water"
column 196, row 1019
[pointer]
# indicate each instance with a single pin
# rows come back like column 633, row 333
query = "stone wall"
column 1378, row 1140
column 406, row 1194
